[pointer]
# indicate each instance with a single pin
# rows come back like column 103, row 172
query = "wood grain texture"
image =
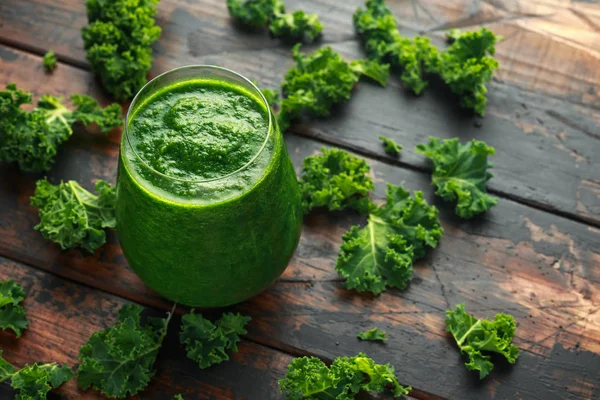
column 63, row 315
column 559, row 138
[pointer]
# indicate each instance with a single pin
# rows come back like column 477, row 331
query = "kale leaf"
column 390, row 146
column 310, row 378
column 468, row 64
column 377, row 26
column 118, row 43
column 178, row 397
column 337, row 180
column 461, row 171
column 207, row 343
column 31, row 138
column 474, row 336
column 374, row 335
column 262, row 13
column 72, row 216
column 49, row 61
column 320, row 80
column 382, row 253
column 12, row 313
column 118, row 361
column 33, row 382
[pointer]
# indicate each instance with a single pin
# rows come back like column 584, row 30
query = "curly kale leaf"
column 297, row 25
column 320, row 80
column 390, row 146
column 33, row 382
column 382, row 253
column 468, row 65
column 461, row 171
column 31, row 138
column 178, row 397
column 118, row 361
column 72, row 216
column 374, row 335
column 377, row 26
column 310, row 378
column 118, row 43
column 337, row 180
column 474, row 336
column 49, row 61
column 207, row 343
column 271, row 13
column 12, row 314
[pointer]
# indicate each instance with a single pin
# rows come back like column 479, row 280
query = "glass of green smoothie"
column 208, row 205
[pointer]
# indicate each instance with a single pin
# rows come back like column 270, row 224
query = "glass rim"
column 202, row 67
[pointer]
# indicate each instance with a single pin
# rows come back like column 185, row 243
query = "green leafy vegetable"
column 262, row 13
column 178, row 397
column 452, row 35
column 72, row 216
column 320, row 80
column 336, row 180
column 474, row 336
column 310, row 378
column 31, row 138
column 468, row 65
column 390, row 146
column 118, row 361
column 207, row 343
column 374, row 335
column 381, row 254
column 461, row 171
column 49, row 61
column 33, row 382
column 377, row 26
column 12, row 314
column 118, row 43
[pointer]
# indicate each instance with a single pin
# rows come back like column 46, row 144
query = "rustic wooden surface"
column 535, row 255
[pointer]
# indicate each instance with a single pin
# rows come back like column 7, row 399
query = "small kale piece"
column 320, row 80
column 452, row 35
column 118, row 361
column 390, row 146
column 271, row 13
column 474, row 336
column 296, row 25
column 33, row 382
column 336, row 180
column 310, row 378
column 461, row 171
column 72, row 216
column 382, row 253
column 468, row 65
column 374, row 335
column 49, row 61
column 207, row 343
column 31, row 138
column 118, row 43
column 377, row 26
column 178, row 397
column 12, row 313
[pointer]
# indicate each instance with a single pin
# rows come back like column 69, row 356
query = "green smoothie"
column 208, row 206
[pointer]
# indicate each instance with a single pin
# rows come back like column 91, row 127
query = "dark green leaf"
column 72, row 216
column 336, row 180
column 475, row 337
column 390, row 146
column 49, row 61
column 461, row 171
column 207, row 343
column 118, row 361
column 12, row 314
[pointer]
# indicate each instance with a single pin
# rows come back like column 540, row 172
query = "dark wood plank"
column 63, row 315
column 546, row 148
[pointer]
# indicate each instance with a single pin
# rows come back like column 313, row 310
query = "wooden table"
column 535, row 255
